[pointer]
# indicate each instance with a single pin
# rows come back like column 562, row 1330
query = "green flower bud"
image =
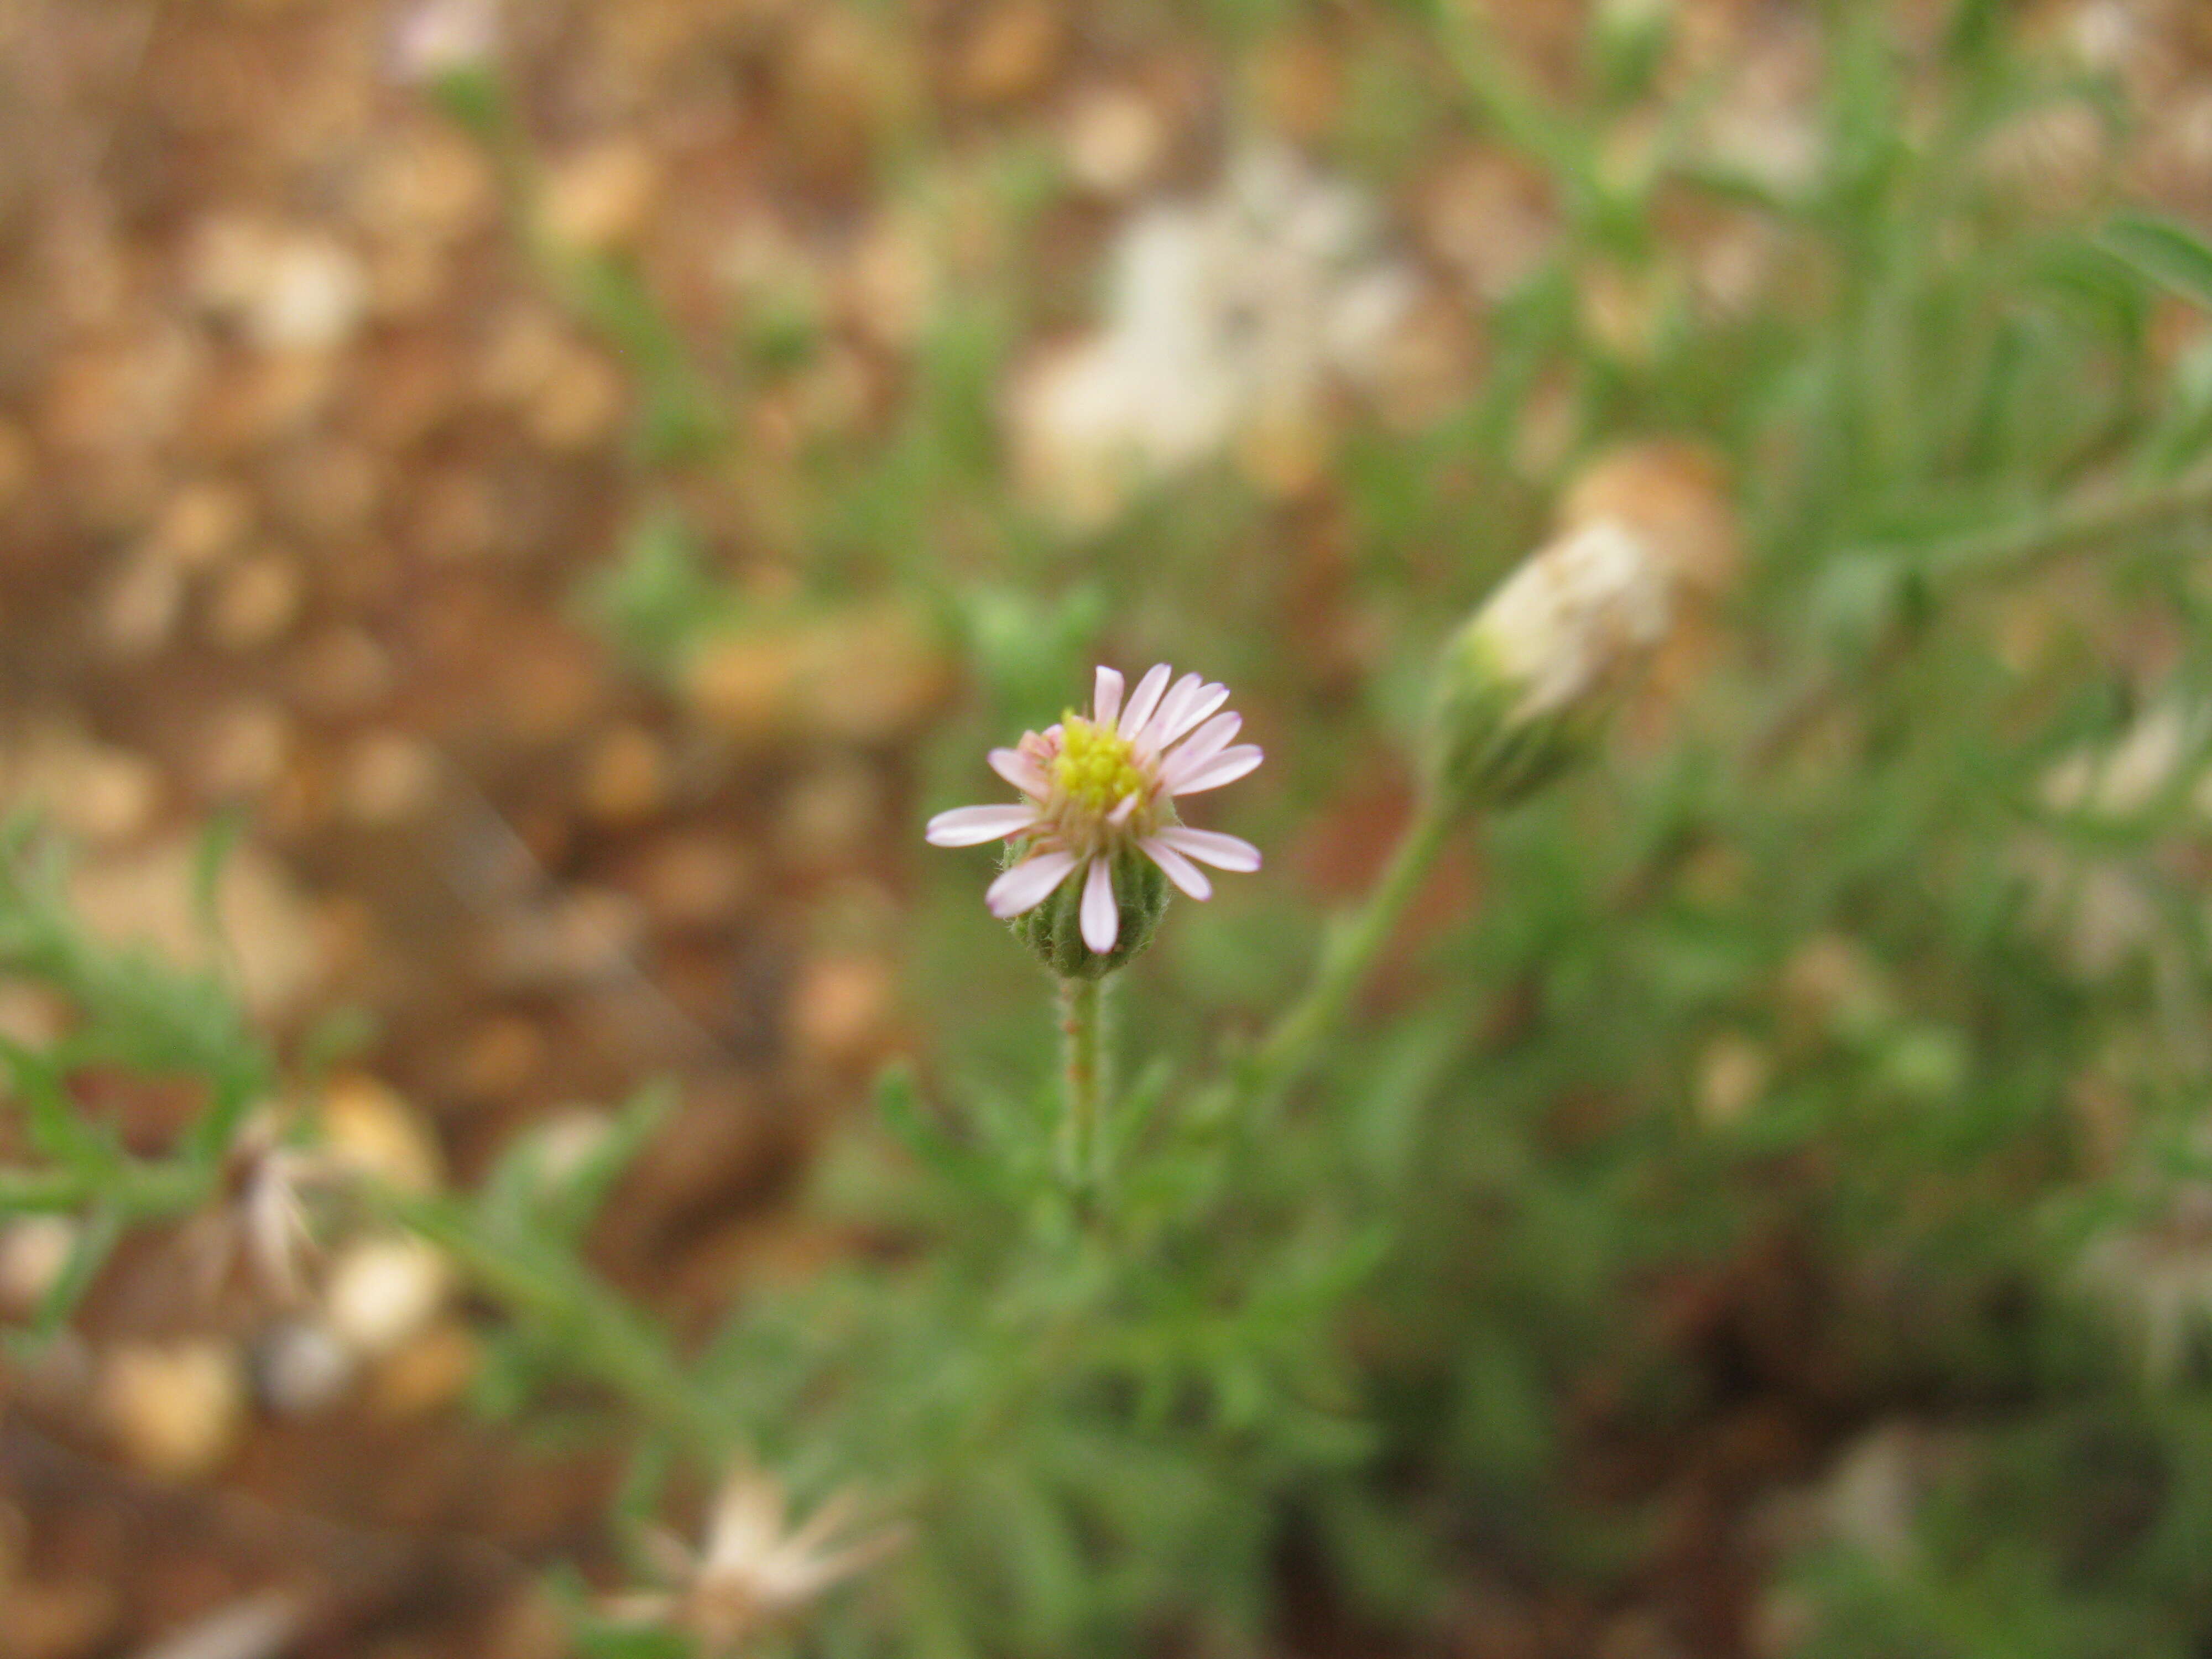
column 1526, row 683
column 1054, row 930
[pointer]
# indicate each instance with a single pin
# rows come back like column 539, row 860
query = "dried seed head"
column 1527, row 681
column 756, row 1570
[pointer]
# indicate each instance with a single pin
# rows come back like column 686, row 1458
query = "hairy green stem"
column 1083, row 1078
column 2091, row 515
column 1348, row 957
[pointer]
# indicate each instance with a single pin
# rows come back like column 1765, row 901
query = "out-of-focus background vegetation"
column 509, row 520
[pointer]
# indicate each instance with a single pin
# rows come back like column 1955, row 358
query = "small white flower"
column 1093, row 786
column 1225, row 313
column 434, row 39
column 755, row 1570
column 2109, row 36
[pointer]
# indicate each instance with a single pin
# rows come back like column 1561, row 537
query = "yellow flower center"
column 1095, row 767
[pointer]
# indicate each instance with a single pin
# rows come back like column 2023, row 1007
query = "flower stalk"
column 1083, row 1076
column 1348, row 957
column 2090, row 516
column 1521, row 693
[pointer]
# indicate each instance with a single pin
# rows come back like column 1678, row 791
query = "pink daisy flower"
column 1091, row 786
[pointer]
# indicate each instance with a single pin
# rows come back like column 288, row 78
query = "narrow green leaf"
column 2168, row 253
column 95, row 1241
column 901, row 1109
column 56, row 1131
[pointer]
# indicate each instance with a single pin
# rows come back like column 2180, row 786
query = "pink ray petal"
column 1226, row 767
column 1209, row 740
column 1018, row 769
column 1143, row 701
column 1171, row 705
column 1200, row 703
column 1101, row 916
column 1211, row 847
column 1106, row 699
column 1180, row 869
column 971, row 826
column 1028, row 884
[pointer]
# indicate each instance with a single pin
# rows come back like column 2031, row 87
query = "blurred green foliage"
column 1551, row 1222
